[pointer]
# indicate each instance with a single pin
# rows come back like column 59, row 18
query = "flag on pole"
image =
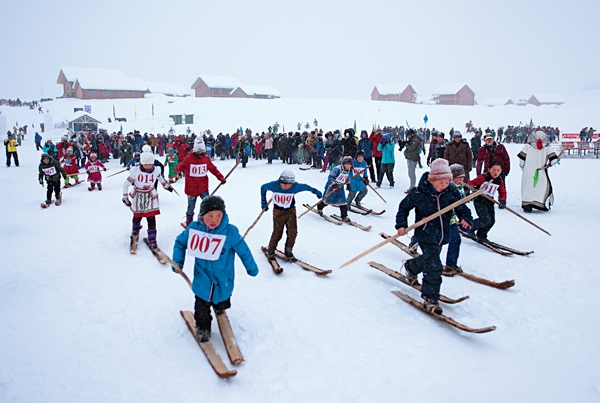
column 425, row 119
column 283, row 128
column 121, row 128
column 114, row 114
column 241, row 131
column 407, row 125
column 134, row 111
column 354, row 126
column 152, row 108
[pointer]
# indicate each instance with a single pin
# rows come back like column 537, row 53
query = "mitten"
column 126, row 201
column 502, row 204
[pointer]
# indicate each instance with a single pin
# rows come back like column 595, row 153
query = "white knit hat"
column 147, row 159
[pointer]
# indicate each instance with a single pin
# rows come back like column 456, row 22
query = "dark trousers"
column 284, row 219
column 53, row 187
column 359, row 195
column 388, row 171
column 343, row 209
column 371, row 168
column 453, row 246
column 202, row 313
column 430, row 265
column 14, row 155
column 486, row 218
column 377, row 166
column 269, row 152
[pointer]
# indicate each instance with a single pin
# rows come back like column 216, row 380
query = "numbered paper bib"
column 341, row 178
column 94, row 168
column 204, row 245
column 283, row 200
column 491, row 189
column 358, row 170
column 49, row 171
column 197, row 170
column 145, row 178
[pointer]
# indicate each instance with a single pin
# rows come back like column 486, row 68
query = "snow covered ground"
column 85, row 321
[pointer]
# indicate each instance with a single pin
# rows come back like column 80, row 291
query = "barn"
column 546, row 99
column 403, row 92
column 255, row 91
column 215, row 86
column 92, row 83
column 454, row 94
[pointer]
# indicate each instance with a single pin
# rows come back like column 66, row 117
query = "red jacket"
column 486, row 177
column 487, row 155
column 376, row 139
column 196, row 170
column 181, row 148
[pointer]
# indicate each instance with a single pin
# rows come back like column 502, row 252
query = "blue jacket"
column 366, row 145
column 213, row 280
column 387, row 149
column 339, row 197
column 358, row 184
column 275, row 187
column 38, row 138
column 427, row 201
column 320, row 149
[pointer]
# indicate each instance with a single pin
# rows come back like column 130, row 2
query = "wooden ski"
column 233, row 351
column 402, row 278
column 353, row 223
column 274, row 264
column 367, row 209
column 323, row 215
column 159, row 254
column 305, row 266
column 208, row 349
column 400, row 245
column 442, row 317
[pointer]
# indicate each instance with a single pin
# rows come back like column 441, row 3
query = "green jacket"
column 51, row 171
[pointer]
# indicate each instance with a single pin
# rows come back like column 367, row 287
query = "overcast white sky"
column 307, row 48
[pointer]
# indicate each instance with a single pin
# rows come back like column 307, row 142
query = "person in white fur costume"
column 535, row 159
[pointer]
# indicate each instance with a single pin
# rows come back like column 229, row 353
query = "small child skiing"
column 134, row 161
column 171, row 160
column 144, row 199
column 431, row 195
column 213, row 242
column 94, row 170
column 458, row 176
column 486, row 215
column 284, row 210
column 358, row 187
column 51, row 170
column 338, row 176
column 69, row 163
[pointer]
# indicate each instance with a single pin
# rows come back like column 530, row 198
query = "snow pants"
column 388, row 171
column 53, row 187
column 14, row 156
column 284, row 219
column 430, row 265
column 412, row 166
column 453, row 246
column 359, row 196
column 202, row 313
column 486, row 218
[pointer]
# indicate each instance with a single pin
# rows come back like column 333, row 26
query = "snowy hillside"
column 83, row 320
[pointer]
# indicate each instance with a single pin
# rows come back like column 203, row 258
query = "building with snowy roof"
column 454, row 94
column 92, row 83
column 169, row 89
column 546, row 99
column 402, row 92
column 215, row 86
column 496, row 101
column 256, row 91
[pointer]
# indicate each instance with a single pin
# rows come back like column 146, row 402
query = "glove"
column 348, row 187
column 366, row 182
column 42, row 182
column 320, row 195
column 170, row 189
column 264, row 206
column 104, row 169
column 223, row 181
column 128, row 168
column 87, row 171
column 126, row 201
column 502, row 204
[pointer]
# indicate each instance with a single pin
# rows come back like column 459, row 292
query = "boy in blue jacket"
column 358, row 187
column 213, row 242
column 284, row 210
column 431, row 195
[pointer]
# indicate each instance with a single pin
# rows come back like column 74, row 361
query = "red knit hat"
column 440, row 170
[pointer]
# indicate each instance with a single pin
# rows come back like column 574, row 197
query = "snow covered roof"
column 259, row 90
column 495, row 101
column 386, row 89
column 550, row 98
column 168, row 88
column 447, row 89
column 102, row 79
column 74, row 73
column 83, row 116
column 221, row 82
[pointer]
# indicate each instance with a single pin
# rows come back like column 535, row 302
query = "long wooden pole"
column 257, row 218
column 116, row 173
column 330, row 192
column 415, row 225
column 178, row 270
column 512, row 211
column 376, row 192
column 226, row 176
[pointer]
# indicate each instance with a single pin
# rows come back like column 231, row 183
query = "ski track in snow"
column 84, row 320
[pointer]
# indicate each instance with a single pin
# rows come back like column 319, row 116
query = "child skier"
column 431, row 195
column 144, row 197
column 51, row 170
column 335, row 181
column 94, row 170
column 69, row 163
column 134, row 161
column 458, row 176
column 214, row 270
column 171, row 160
column 196, row 166
column 358, row 187
column 284, row 210
column 486, row 215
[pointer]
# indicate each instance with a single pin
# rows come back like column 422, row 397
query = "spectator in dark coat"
column 459, row 152
column 490, row 152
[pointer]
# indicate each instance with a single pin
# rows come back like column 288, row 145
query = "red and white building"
column 403, row 92
column 454, row 94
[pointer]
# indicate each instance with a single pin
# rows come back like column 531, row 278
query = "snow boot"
column 432, row 305
column 202, row 335
column 152, row 239
column 135, row 237
column 346, row 219
column 99, row 186
column 528, row 209
column 453, row 269
column 413, row 279
column 188, row 219
column 67, row 185
column 58, row 200
column 320, row 212
column 289, row 256
column 271, row 254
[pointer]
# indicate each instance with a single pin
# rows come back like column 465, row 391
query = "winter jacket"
column 320, row 148
column 281, row 199
column 412, row 148
column 497, row 184
column 50, row 149
column 427, row 201
column 475, row 145
column 387, row 151
column 335, row 181
column 459, row 153
column 366, row 145
column 488, row 154
column 360, row 168
column 52, row 171
column 376, row 139
column 349, row 145
column 214, row 274
column 196, row 170
column 11, row 145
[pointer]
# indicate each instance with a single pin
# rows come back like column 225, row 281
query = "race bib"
column 198, row 170
column 283, row 200
column 146, row 178
column 49, row 171
column 204, row 245
column 358, row 170
column 342, row 178
column 490, row 189
column 94, row 168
